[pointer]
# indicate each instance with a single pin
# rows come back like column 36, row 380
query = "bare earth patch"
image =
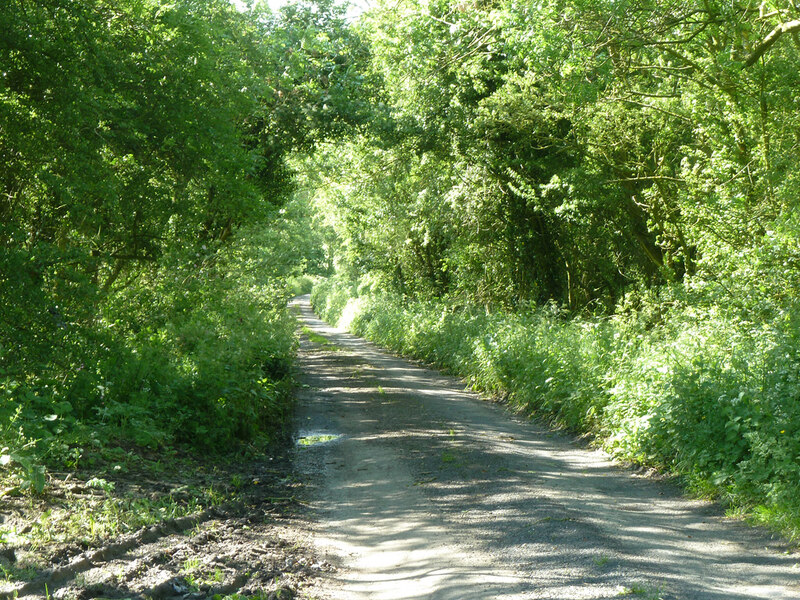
column 238, row 533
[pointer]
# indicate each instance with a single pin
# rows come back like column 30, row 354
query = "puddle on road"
column 314, row 439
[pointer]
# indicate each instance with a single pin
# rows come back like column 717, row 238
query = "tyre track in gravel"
column 80, row 563
column 431, row 492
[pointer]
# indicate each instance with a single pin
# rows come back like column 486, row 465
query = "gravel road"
column 427, row 491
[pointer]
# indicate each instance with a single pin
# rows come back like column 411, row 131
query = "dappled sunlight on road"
column 432, row 493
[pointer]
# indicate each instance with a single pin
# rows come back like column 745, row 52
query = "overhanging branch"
column 769, row 41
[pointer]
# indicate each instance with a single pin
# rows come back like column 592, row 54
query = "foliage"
column 201, row 364
column 701, row 392
column 589, row 207
column 147, row 230
column 301, row 285
column 329, row 298
column 543, row 152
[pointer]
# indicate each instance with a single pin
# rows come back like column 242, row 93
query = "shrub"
column 195, row 354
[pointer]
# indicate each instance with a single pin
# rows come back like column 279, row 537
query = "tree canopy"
column 568, row 151
column 145, row 224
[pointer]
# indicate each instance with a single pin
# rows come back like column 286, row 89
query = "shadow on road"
column 432, row 493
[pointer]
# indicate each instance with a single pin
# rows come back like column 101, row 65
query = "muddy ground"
column 251, row 541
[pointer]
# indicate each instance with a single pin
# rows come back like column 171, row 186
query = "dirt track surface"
column 430, row 492
column 251, row 545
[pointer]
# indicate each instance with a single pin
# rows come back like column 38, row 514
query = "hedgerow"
column 196, row 356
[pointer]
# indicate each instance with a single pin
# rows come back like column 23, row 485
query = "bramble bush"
column 686, row 385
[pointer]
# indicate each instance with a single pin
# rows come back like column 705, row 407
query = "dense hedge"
column 690, row 390
column 148, row 229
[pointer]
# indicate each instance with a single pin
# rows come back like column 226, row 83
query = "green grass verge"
column 319, row 340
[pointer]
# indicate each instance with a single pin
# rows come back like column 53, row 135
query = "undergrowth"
column 694, row 388
column 194, row 355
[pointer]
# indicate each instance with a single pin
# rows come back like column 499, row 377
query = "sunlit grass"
column 318, row 339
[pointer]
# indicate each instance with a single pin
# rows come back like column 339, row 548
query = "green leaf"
column 36, row 477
